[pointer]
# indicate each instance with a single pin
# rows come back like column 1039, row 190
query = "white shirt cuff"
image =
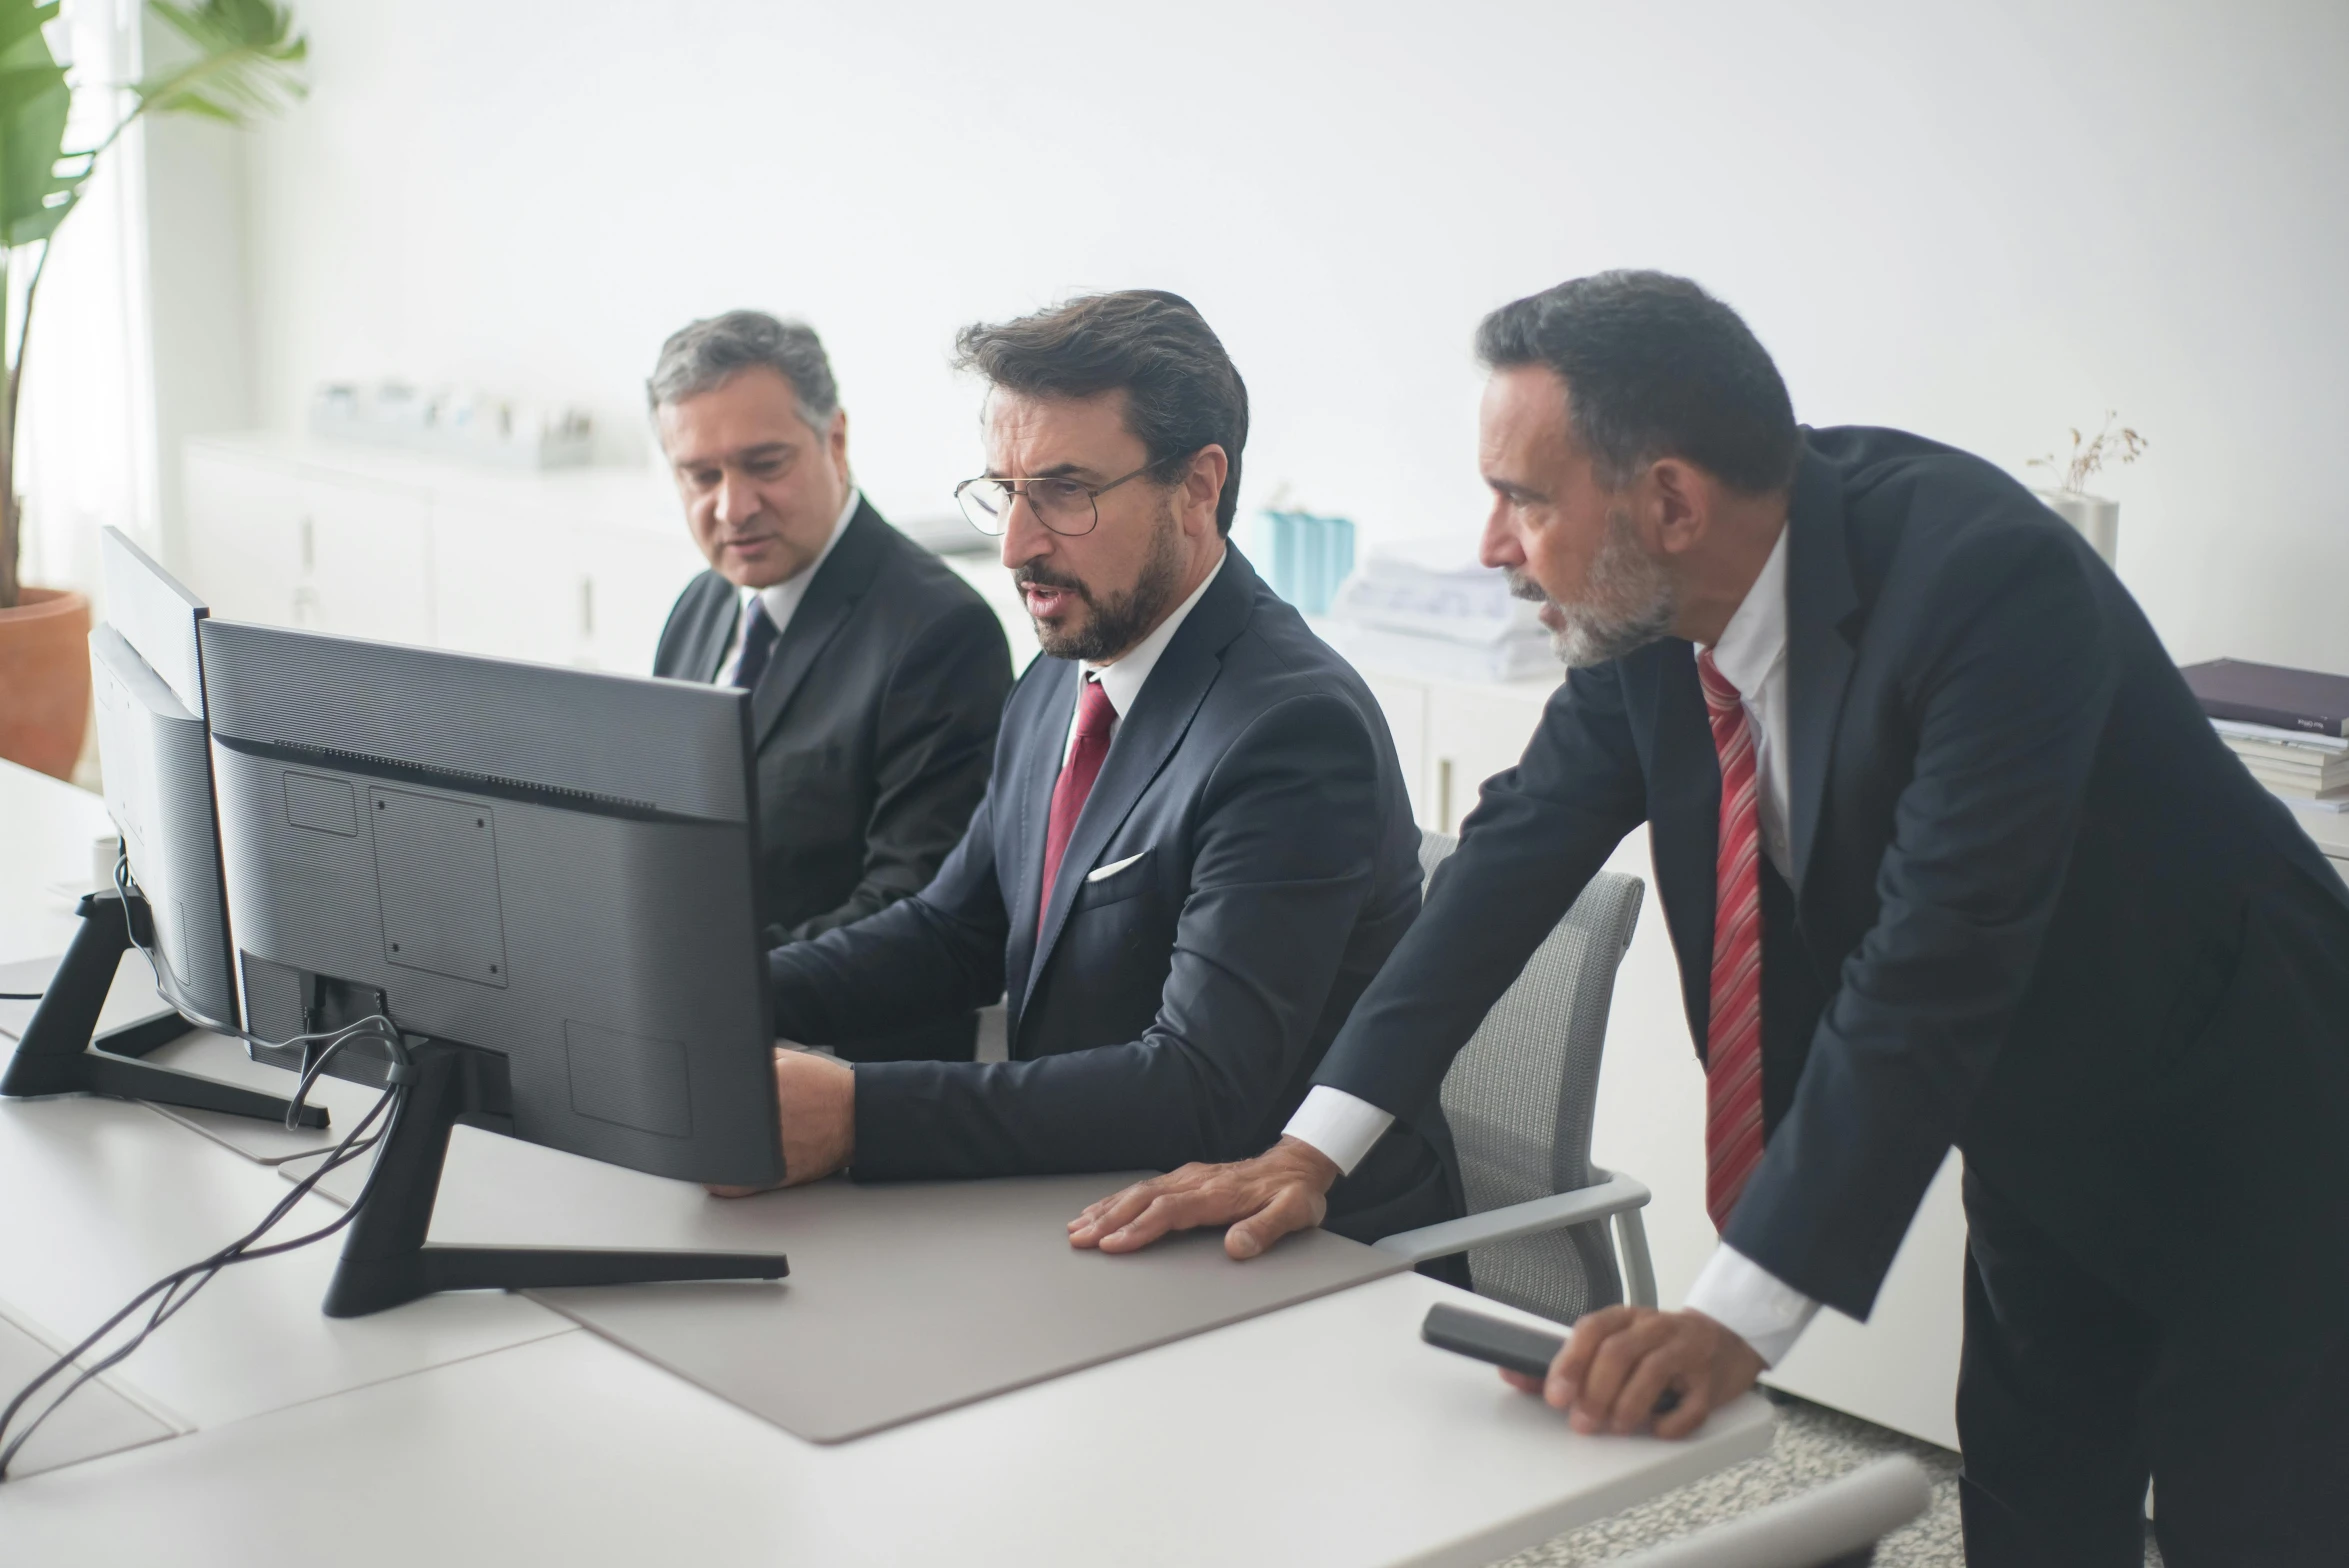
column 1749, row 1301
column 1339, row 1125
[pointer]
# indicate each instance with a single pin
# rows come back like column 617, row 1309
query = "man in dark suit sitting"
column 876, row 675
column 1949, row 856
column 1195, row 849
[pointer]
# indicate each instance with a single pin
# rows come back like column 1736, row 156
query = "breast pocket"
column 1115, row 881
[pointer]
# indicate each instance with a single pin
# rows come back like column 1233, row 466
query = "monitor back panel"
column 550, row 865
column 159, row 793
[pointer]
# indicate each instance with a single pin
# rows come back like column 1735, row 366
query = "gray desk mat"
column 905, row 1299
column 98, row 1420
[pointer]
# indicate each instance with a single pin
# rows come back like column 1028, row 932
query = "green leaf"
column 34, row 101
column 246, row 66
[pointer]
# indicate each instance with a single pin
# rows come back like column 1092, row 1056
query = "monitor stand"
column 56, row 1054
column 386, row 1260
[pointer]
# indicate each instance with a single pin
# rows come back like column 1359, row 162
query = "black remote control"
column 1505, row 1344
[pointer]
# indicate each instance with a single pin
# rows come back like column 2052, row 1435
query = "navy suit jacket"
column 2038, row 911
column 1174, row 1009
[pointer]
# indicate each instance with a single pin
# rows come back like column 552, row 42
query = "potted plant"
column 241, row 61
column 2093, row 515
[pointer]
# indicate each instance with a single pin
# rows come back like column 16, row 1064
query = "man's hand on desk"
column 817, row 1096
column 1620, row 1360
column 1283, row 1189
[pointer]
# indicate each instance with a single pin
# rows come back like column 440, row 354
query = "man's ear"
column 1203, row 489
column 1679, row 504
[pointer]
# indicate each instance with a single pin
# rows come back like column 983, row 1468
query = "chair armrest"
column 1615, row 1195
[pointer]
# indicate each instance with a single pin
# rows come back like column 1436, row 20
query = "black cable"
column 20, row 996
column 176, row 1289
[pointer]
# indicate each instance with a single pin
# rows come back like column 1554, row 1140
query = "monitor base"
column 386, row 1261
column 56, row 1054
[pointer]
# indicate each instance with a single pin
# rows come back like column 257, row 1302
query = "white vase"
column 2098, row 520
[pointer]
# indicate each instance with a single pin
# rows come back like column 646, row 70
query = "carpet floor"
column 1813, row 1445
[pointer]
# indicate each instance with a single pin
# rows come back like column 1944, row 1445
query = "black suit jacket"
column 1174, row 1008
column 872, row 726
column 2038, row 910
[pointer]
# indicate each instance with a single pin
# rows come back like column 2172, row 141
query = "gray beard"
column 1628, row 602
column 1123, row 619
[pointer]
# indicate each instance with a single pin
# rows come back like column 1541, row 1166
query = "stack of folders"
column 2290, row 727
column 1433, row 615
column 2309, row 770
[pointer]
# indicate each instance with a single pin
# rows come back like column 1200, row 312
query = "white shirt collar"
column 1755, row 639
column 1122, row 681
column 782, row 598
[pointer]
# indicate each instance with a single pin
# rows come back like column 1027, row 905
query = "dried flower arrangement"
column 2089, row 456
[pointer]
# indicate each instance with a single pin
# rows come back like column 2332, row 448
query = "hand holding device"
column 1622, row 1369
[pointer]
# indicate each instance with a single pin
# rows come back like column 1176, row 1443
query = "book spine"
column 2281, row 718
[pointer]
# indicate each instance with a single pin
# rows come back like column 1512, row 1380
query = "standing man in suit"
column 876, row 675
column 1196, row 847
column 1949, row 856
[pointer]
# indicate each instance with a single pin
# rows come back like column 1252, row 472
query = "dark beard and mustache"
column 1628, row 601
column 1118, row 622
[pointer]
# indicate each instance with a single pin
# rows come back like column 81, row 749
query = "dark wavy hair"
column 1182, row 392
column 1654, row 367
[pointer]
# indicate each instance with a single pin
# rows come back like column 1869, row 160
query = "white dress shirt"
column 782, row 599
column 1731, row 1289
column 1121, row 680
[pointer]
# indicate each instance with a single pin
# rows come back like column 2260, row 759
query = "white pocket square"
column 1113, row 868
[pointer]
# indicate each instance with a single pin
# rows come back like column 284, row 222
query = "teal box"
column 1303, row 556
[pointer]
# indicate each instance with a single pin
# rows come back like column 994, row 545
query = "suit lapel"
column 1684, row 813
column 831, row 595
column 1146, row 738
column 1820, row 603
column 713, row 630
column 1030, row 786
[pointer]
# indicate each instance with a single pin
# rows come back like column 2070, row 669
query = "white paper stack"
column 1445, row 619
column 2310, row 771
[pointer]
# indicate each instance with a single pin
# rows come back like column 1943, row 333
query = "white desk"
column 483, row 1429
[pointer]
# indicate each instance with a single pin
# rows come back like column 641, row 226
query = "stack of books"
column 2290, row 727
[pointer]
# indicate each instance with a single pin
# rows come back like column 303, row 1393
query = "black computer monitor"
column 147, row 682
column 543, row 877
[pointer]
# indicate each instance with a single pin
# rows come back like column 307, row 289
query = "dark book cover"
column 2271, row 694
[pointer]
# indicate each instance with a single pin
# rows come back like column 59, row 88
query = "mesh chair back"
column 1521, row 1094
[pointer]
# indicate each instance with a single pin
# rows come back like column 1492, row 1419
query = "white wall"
column 1985, row 224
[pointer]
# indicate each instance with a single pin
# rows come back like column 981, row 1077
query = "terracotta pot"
column 45, row 680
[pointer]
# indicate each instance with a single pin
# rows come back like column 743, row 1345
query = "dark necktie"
column 1733, row 1036
column 1095, row 719
column 758, row 644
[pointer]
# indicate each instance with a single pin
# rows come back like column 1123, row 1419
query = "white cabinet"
column 293, row 545
column 571, row 567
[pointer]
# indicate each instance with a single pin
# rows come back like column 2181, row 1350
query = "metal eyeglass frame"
column 1017, row 489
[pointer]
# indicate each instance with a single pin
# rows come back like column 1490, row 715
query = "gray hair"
column 705, row 353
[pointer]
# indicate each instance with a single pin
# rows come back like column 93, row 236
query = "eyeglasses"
column 1066, row 506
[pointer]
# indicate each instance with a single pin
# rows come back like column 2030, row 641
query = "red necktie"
column 1733, row 1037
column 1095, row 719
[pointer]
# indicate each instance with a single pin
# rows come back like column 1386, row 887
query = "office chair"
column 1519, row 1098
column 1833, row 1526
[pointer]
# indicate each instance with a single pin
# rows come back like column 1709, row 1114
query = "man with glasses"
column 1195, row 849
column 876, row 675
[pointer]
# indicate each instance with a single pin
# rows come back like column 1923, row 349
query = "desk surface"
column 484, row 1428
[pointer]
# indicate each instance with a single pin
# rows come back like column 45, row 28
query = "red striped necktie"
column 1095, row 719
column 1733, row 1036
